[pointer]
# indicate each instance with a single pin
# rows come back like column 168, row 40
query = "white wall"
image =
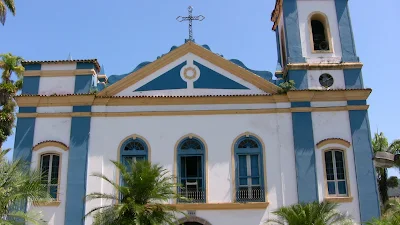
column 219, row 132
column 335, row 125
column 313, row 79
column 58, row 85
column 305, row 8
column 59, row 66
column 56, row 129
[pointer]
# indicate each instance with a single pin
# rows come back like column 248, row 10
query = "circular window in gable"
column 326, row 80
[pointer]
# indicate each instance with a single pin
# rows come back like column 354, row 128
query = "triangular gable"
column 216, row 73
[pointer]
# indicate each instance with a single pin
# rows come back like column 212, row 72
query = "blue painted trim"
column 299, row 77
column 278, row 46
column 84, row 65
column 77, row 171
column 31, row 85
column 27, row 109
column 33, row 67
column 248, row 151
column 365, row 171
column 210, row 79
column 300, row 104
column 144, row 153
column 167, row 81
column 303, row 137
column 346, row 32
column 292, row 32
column 83, row 83
column 357, row 102
column 86, row 108
column 353, row 78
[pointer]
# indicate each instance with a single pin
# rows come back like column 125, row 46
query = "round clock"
column 326, row 80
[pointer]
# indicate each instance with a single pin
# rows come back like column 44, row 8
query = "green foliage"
column 287, row 86
column 18, row 184
column 314, row 213
column 393, row 182
column 391, row 215
column 93, row 90
column 146, row 187
column 381, row 144
column 9, row 64
column 4, row 5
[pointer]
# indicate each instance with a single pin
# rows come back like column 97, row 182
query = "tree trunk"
column 382, row 183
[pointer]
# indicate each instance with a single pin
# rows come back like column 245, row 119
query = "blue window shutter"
column 242, row 170
column 255, row 172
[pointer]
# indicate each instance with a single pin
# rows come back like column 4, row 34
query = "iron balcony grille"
column 191, row 196
column 250, row 194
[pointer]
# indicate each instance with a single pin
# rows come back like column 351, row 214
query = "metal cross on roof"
column 190, row 18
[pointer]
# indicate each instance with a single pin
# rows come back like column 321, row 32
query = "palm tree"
column 10, row 64
column 314, row 213
column 18, row 184
column 139, row 200
column 381, row 144
column 4, row 4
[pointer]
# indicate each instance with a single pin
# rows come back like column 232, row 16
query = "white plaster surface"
column 189, row 90
column 56, row 85
column 313, row 79
column 163, row 132
column 54, row 109
column 55, row 129
column 305, row 8
column 53, row 215
column 335, row 125
column 59, row 66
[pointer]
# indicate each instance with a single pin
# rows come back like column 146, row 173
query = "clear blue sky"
column 123, row 33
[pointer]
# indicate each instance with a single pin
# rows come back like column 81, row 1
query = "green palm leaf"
column 141, row 198
column 314, row 213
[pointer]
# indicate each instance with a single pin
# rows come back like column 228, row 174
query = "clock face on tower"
column 326, row 80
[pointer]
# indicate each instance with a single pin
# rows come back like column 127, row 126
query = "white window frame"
column 48, row 183
column 335, row 179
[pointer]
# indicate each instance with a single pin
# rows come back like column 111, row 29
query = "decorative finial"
column 69, row 56
column 190, row 18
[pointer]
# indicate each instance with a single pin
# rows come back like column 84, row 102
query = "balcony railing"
column 250, row 194
column 191, row 196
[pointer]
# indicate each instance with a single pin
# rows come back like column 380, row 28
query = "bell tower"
column 316, row 50
column 315, row 44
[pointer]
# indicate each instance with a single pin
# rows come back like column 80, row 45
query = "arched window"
column 191, row 169
column 50, row 169
column 320, row 32
column 133, row 149
column 249, row 170
column 335, row 171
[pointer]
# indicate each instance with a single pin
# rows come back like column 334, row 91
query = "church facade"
column 239, row 145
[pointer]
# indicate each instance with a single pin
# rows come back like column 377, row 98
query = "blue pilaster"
column 292, row 32
column 353, row 78
column 299, row 77
column 345, row 32
column 83, row 82
column 31, row 84
column 278, row 46
column 303, row 138
column 365, row 170
column 24, row 139
column 77, row 167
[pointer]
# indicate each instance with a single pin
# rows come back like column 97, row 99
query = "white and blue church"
column 239, row 146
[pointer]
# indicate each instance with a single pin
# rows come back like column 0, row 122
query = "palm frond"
column 10, row 5
column 3, row 12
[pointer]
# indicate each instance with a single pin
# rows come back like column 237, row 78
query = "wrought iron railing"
column 191, row 196
column 250, row 194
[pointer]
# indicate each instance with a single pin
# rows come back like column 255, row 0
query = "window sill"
column 339, row 199
column 47, row 204
column 221, row 206
column 321, row 51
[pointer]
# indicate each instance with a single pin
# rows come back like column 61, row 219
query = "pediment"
column 190, row 70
